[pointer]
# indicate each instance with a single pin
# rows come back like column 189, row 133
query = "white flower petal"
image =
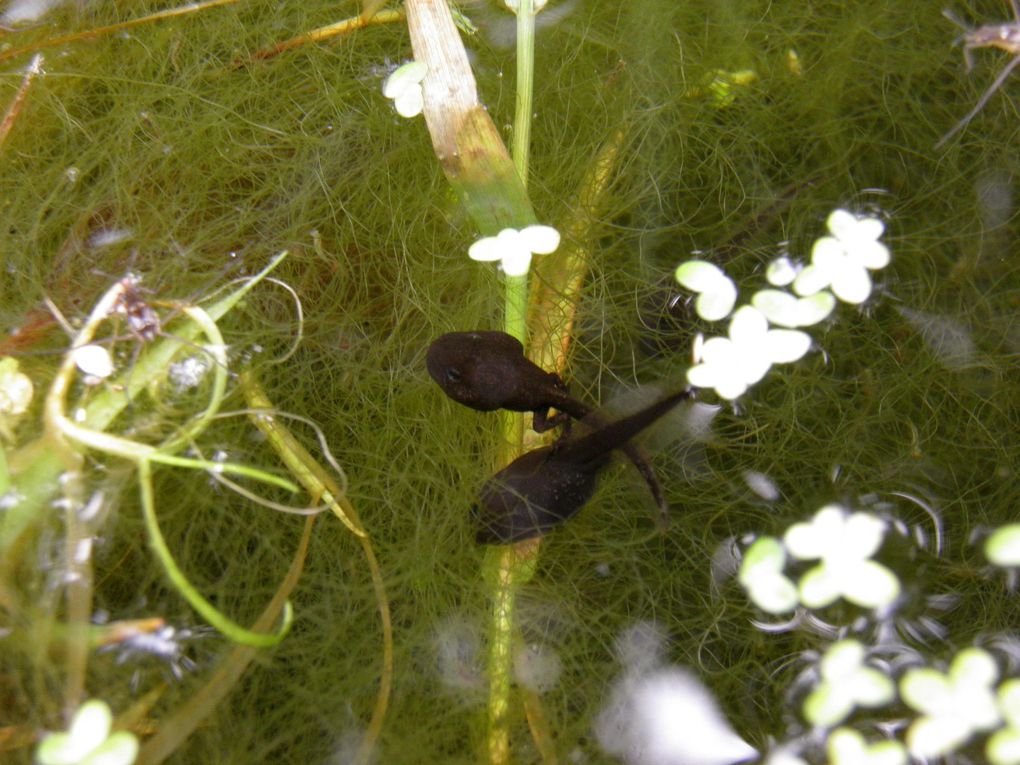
column 1009, row 701
column 863, row 533
column 926, row 690
column 1003, row 747
column 510, row 239
column 540, row 240
column 816, row 537
column 485, row 249
column 93, row 360
column 410, row 102
column 811, row 280
column 748, row 327
column 818, row 587
column 872, row 688
column 754, row 366
column 842, row 223
column 90, row 726
column 784, row 346
column 404, row 77
column 827, row 705
column 873, row 255
column 931, row 737
column 781, row 272
column 700, row 275
column 717, row 302
column 765, row 556
column 703, row 375
column 773, row 593
column 852, row 284
column 730, row 388
column 516, row 263
column 974, row 667
column 842, row 659
column 828, row 254
column 121, row 748
column 778, row 307
column 814, row 308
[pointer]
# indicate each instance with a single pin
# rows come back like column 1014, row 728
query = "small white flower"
column 88, row 741
column 1003, row 746
column 1002, row 548
column 717, row 293
column 842, row 261
column 732, row 364
column 844, row 542
column 848, row 747
column 846, row 682
column 782, row 271
column 786, row 310
column 761, row 574
column 93, row 360
column 954, row 705
column 404, row 87
column 514, row 248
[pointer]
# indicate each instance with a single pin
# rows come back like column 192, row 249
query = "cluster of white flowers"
column 842, row 543
column 513, row 248
column 952, row 706
column 839, row 269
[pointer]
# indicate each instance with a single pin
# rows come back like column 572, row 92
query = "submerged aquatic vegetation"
column 214, row 143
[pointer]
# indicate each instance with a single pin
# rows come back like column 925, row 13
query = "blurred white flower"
column 761, row 574
column 1003, row 746
column 717, row 293
column 786, row 310
column 404, row 87
column 782, row 271
column 88, row 741
column 844, row 542
column 848, row 747
column 514, row 248
column 667, row 717
column 846, row 682
column 842, row 261
column 732, row 364
column 1002, row 548
column 954, row 705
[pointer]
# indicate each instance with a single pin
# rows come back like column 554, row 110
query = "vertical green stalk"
column 525, row 86
column 507, row 564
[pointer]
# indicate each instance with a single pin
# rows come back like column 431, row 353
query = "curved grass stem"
column 207, row 610
column 323, row 488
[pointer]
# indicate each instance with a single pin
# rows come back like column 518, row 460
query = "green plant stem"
column 508, row 568
column 207, row 610
column 525, row 86
column 36, row 466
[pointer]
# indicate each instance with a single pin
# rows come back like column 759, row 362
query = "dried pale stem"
column 344, row 27
column 323, row 488
column 89, row 34
column 14, row 109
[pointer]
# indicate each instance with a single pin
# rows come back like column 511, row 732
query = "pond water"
column 175, row 151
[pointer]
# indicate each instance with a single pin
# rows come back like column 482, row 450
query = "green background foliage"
column 214, row 162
